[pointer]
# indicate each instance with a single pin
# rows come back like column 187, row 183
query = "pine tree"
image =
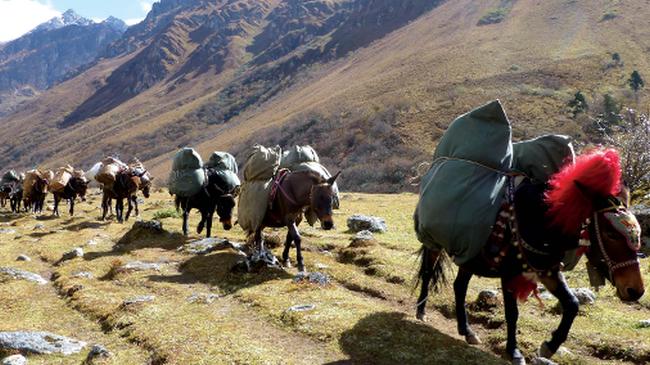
column 636, row 81
column 578, row 104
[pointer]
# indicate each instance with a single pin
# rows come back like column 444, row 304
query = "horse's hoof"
column 286, row 263
column 472, row 339
column 518, row 358
column 421, row 316
column 544, row 351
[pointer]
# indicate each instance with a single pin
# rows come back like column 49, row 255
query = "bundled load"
column 108, row 172
column 462, row 192
column 260, row 168
column 92, row 173
column 187, row 176
column 224, row 165
column 9, row 177
column 61, row 178
column 305, row 158
column 31, row 177
column 222, row 161
column 297, row 155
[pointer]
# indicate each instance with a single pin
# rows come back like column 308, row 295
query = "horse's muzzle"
column 327, row 225
column 227, row 224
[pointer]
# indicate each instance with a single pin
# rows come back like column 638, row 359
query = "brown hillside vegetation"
column 382, row 105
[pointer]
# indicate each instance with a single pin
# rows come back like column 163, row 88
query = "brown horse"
column 34, row 198
column 126, row 186
column 540, row 223
column 76, row 187
column 297, row 192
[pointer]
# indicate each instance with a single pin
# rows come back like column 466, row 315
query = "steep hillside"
column 368, row 82
column 50, row 53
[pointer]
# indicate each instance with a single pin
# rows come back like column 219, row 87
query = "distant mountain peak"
column 116, row 23
column 70, row 17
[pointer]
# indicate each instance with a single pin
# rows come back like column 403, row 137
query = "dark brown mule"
column 76, row 187
column 35, row 200
column 126, row 186
column 297, row 192
column 532, row 246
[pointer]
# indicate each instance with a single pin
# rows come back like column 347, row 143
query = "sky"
column 18, row 17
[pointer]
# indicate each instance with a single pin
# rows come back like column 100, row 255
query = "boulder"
column 207, row 245
column 357, row 223
column 644, row 323
column 139, row 266
column 487, row 299
column 97, row 352
column 584, row 295
column 14, row 360
column 317, row 278
column 21, row 275
column 139, row 299
column 39, row 343
column 23, row 258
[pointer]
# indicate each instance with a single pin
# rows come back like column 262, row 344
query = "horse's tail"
column 434, row 269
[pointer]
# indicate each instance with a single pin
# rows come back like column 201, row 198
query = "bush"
column 166, row 213
column 494, row 16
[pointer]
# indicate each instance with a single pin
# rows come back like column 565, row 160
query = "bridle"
column 612, row 265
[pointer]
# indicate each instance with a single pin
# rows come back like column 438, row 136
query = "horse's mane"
column 599, row 172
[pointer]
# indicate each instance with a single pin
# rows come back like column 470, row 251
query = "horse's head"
column 79, row 185
column 145, row 180
column 591, row 191
column 225, row 207
column 323, row 196
column 615, row 237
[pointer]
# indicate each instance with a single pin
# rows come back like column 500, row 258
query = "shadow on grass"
column 216, row 270
column 140, row 236
column 86, row 225
column 390, row 338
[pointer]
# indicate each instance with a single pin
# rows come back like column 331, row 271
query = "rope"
column 498, row 171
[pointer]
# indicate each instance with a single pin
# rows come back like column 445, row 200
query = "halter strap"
column 611, row 265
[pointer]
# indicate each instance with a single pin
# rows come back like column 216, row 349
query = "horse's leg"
column 134, row 198
column 512, row 314
column 119, row 209
column 297, row 240
column 287, row 246
column 186, row 214
column 104, row 206
column 570, row 305
column 258, row 240
column 57, row 199
column 130, row 209
column 460, row 292
column 72, row 207
column 208, row 223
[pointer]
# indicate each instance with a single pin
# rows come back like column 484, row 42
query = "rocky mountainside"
column 368, row 82
column 51, row 52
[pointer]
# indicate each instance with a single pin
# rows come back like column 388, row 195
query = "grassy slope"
column 366, row 315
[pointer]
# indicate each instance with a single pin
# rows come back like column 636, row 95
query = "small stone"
column 542, row 361
column 364, row 235
column 487, row 299
column 92, row 242
column 357, row 223
column 40, row 343
column 563, row 351
column 139, row 299
column 97, row 351
column 22, row 275
column 39, row 227
column 202, row 298
column 584, row 295
column 139, row 266
column 302, row 308
column 14, row 360
column 7, row 231
column 644, row 323
column 23, row 258
column 83, row 274
column 313, row 277
column 208, row 245
column 70, row 255
column 321, row 266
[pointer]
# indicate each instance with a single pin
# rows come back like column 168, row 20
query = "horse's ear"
column 332, row 179
column 624, row 195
